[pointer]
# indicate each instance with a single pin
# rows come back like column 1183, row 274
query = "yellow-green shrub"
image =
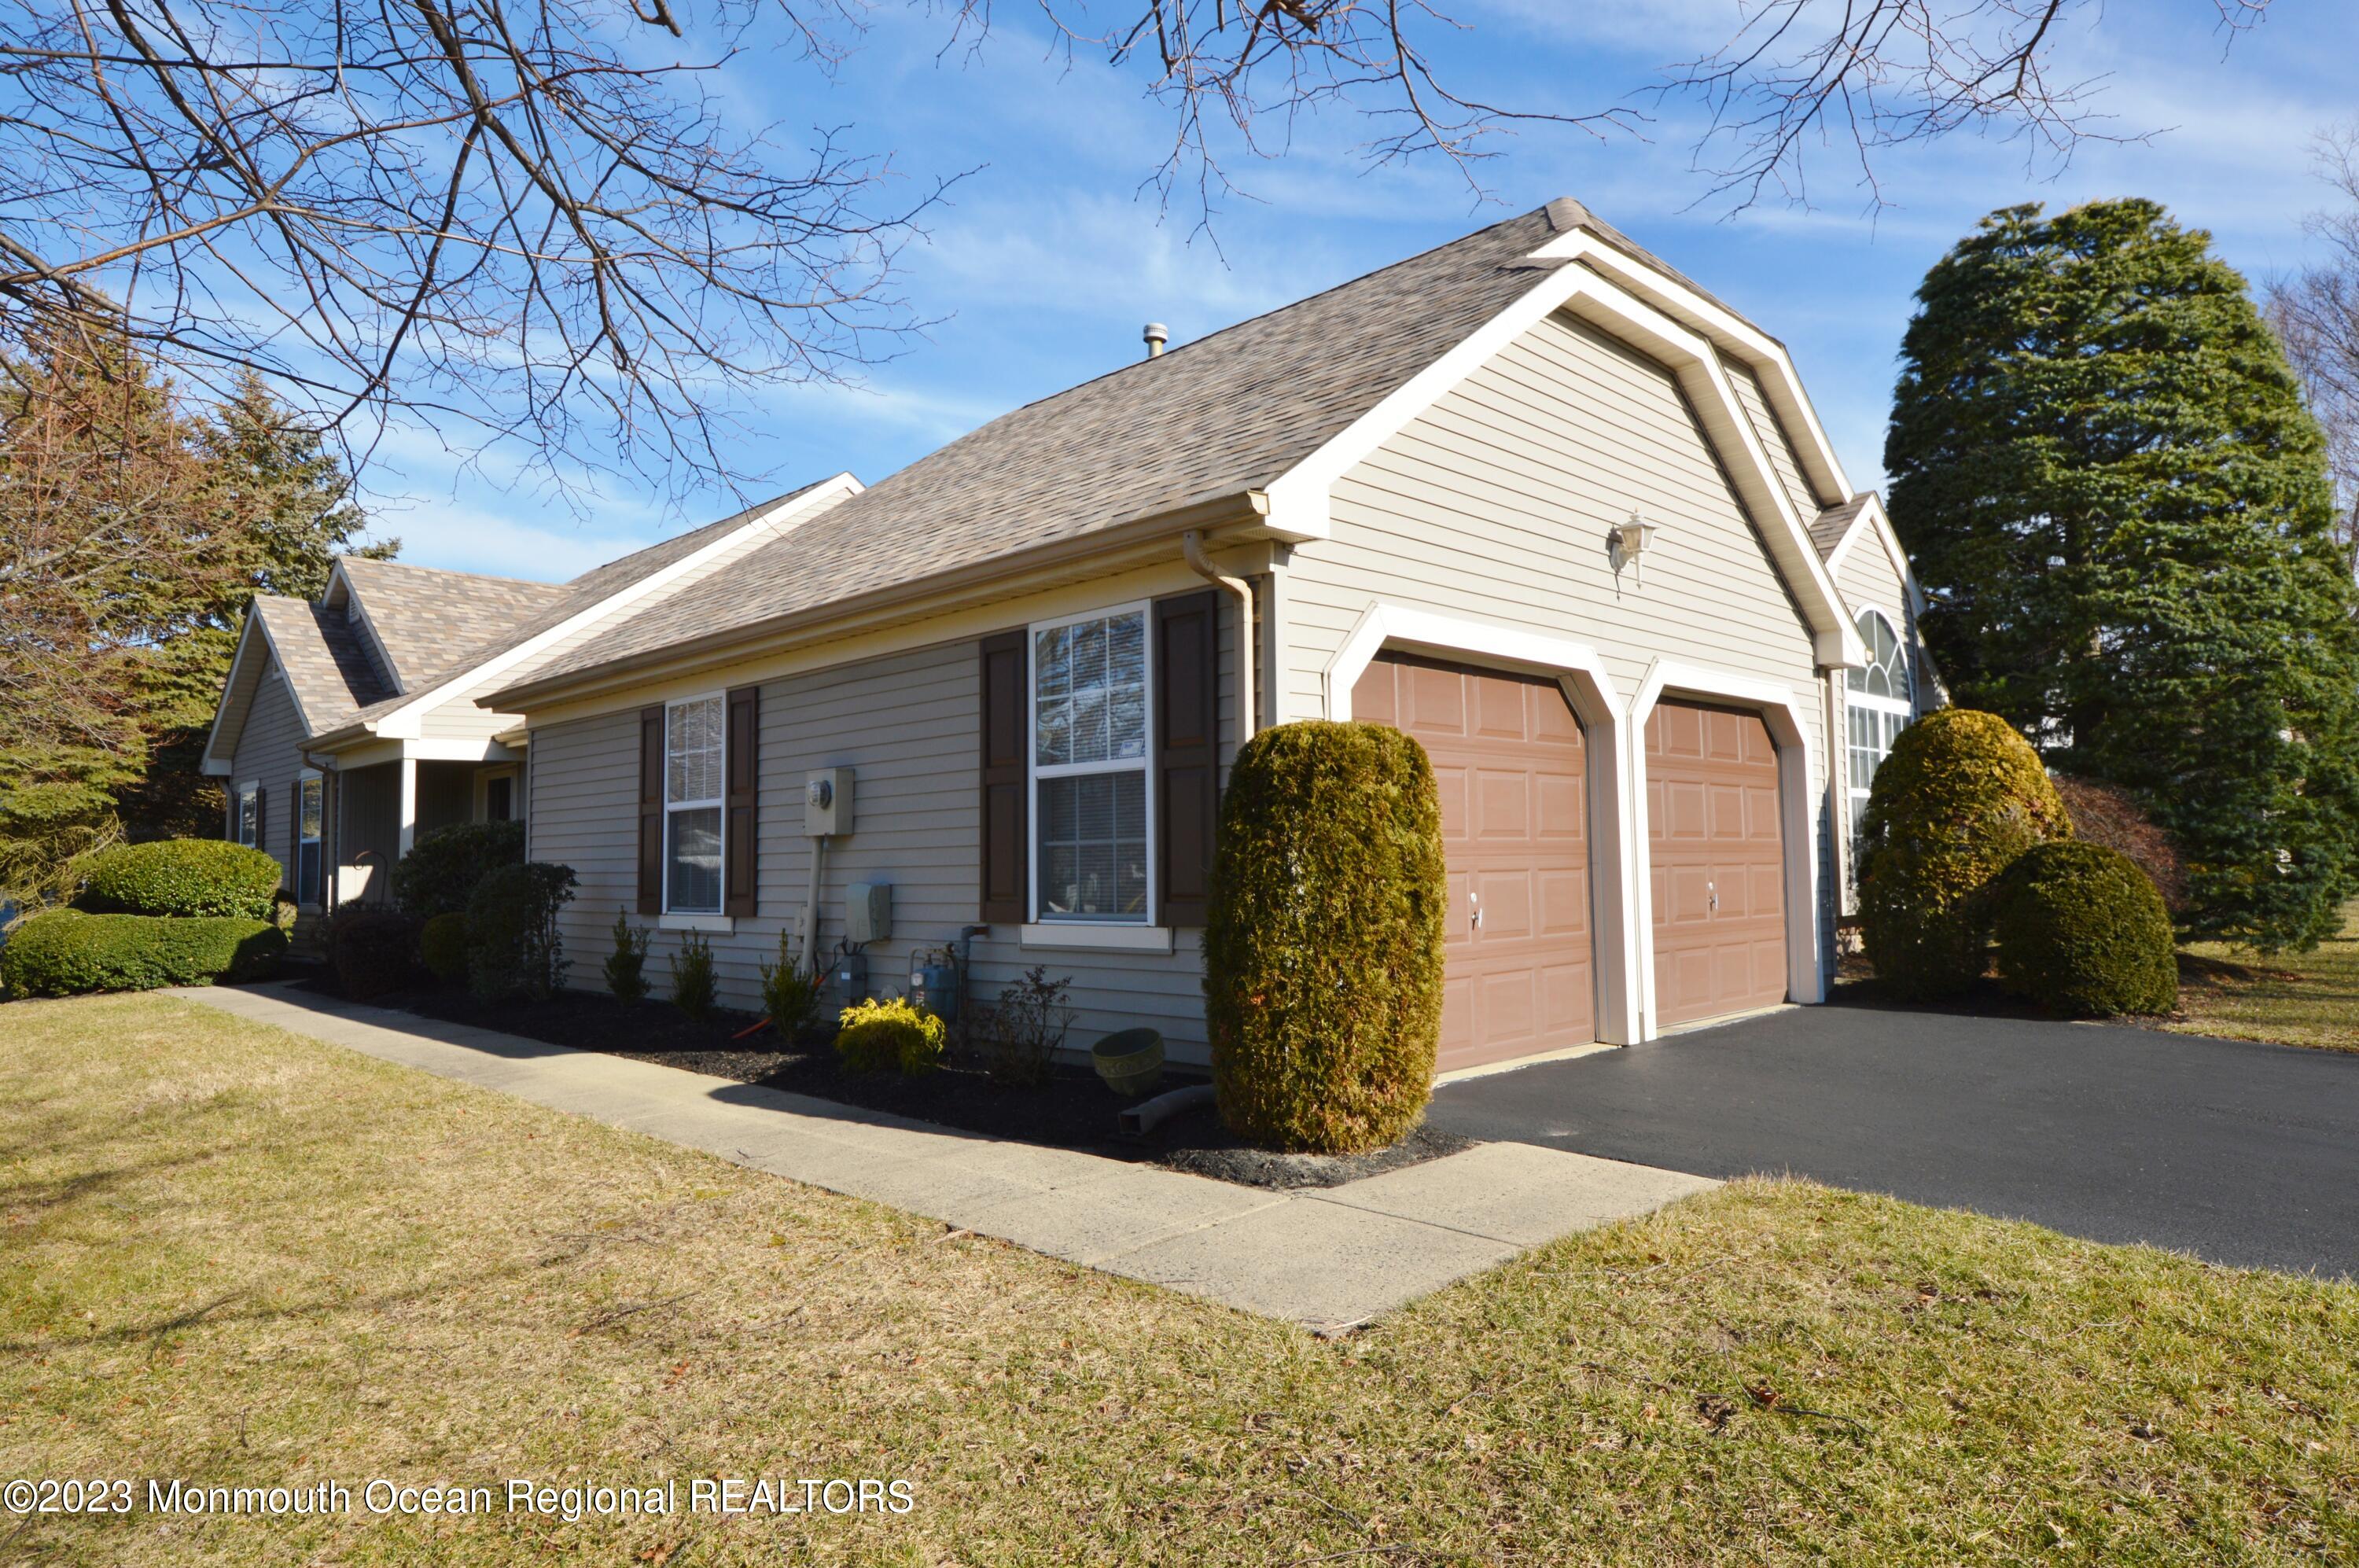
column 1322, row 953
column 66, row 953
column 2082, row 931
column 181, row 877
column 1960, row 796
column 878, row 1037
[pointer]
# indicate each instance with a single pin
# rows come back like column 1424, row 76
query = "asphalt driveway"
column 2239, row 1153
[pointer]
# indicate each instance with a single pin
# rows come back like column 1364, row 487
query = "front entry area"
column 1716, row 860
column 1509, row 759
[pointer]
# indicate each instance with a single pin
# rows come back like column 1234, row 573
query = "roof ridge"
column 372, row 561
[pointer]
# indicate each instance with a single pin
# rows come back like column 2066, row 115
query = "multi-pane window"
column 1879, row 699
column 310, row 816
column 1089, row 768
column 692, row 784
column 249, row 814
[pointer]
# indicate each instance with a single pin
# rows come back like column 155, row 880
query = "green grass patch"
column 2293, row 999
column 238, row 1257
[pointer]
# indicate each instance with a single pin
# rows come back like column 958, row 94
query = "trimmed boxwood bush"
column 372, row 949
column 1960, row 796
column 894, row 1036
column 442, row 948
column 1322, row 953
column 2082, row 931
column 443, row 868
column 514, row 945
column 181, row 877
column 67, row 953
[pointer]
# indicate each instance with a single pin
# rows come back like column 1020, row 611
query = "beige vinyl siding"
column 1494, row 506
column 1782, row 458
column 268, row 752
column 908, row 724
column 1867, row 580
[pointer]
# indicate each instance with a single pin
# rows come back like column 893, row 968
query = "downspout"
column 1838, row 813
column 1191, row 545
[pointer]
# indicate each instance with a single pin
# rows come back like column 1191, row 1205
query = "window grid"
column 310, row 797
column 1089, row 760
column 694, row 733
column 1878, row 704
column 249, row 803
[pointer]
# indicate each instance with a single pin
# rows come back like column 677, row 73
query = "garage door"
column 1717, row 863
column 1508, row 757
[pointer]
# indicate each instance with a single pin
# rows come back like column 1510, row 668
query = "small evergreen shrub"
column 372, row 950
column 1018, row 1039
column 2082, row 931
column 68, row 953
column 442, row 947
column 1322, row 954
column 1960, row 796
column 514, row 945
column 894, row 1036
column 181, row 877
column 789, row 997
column 443, row 867
column 2103, row 814
column 693, row 982
column 284, row 911
column 626, row 966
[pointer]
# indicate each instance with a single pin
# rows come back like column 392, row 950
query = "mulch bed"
column 1073, row 1110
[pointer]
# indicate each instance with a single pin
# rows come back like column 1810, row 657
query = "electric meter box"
column 851, row 976
column 827, row 803
column 867, row 912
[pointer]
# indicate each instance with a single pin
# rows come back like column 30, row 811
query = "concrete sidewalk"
column 1329, row 1259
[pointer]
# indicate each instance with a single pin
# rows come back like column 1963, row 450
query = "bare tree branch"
column 2316, row 315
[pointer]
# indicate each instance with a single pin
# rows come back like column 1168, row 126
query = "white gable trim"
column 219, row 767
column 1301, row 500
column 405, row 721
column 1874, row 520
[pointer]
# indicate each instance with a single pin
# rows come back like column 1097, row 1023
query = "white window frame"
column 250, row 787
column 697, row 918
column 1044, row 929
column 1903, row 708
column 513, row 773
column 295, row 872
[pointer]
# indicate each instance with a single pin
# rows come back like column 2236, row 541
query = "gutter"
column 732, row 644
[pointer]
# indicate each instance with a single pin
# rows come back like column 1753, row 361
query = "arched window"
column 1880, row 700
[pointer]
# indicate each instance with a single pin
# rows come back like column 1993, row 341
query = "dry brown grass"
column 2292, row 998
column 236, row 1256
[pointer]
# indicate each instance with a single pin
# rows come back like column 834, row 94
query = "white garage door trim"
column 1577, row 669
column 1797, row 820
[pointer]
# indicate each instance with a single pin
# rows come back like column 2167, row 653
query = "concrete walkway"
column 1330, row 1258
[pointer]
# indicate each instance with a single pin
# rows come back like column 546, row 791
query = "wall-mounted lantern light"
column 1629, row 542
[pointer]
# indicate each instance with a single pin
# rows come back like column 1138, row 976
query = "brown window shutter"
column 651, row 803
column 1007, row 810
column 742, row 748
column 1187, row 752
column 295, row 836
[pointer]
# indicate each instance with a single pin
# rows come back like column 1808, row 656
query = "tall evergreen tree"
column 2120, row 513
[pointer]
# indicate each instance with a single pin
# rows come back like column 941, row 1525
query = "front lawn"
column 238, row 1257
column 2294, row 998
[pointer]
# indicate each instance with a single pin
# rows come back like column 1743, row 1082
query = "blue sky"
column 1044, row 263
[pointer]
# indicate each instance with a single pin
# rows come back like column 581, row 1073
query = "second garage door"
column 1508, row 759
column 1716, row 861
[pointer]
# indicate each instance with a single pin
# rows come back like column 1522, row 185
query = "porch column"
column 409, row 802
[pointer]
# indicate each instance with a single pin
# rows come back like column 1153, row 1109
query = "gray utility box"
column 867, row 912
column 827, row 803
column 850, row 974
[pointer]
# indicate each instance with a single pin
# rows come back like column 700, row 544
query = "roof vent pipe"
column 1192, row 546
column 1156, row 335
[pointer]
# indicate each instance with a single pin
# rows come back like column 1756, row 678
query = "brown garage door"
column 1717, row 860
column 1508, row 757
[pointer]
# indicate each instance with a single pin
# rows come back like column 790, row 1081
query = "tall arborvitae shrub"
column 1959, row 798
column 2120, row 512
column 1322, row 954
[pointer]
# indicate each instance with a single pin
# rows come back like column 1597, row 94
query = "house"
column 1533, row 495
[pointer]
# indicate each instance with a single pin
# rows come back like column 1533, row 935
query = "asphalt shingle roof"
column 1229, row 412
column 1827, row 530
column 328, row 668
column 427, row 619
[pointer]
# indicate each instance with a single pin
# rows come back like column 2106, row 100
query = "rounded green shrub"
column 1323, row 952
column 1960, row 796
column 2082, row 931
column 372, row 950
column 442, row 947
column 181, row 877
column 514, row 944
column 443, row 868
column 894, row 1036
column 67, row 952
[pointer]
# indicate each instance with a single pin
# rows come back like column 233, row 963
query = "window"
column 1879, row 698
column 310, row 815
column 1089, row 768
column 692, row 782
column 499, row 798
column 249, row 814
